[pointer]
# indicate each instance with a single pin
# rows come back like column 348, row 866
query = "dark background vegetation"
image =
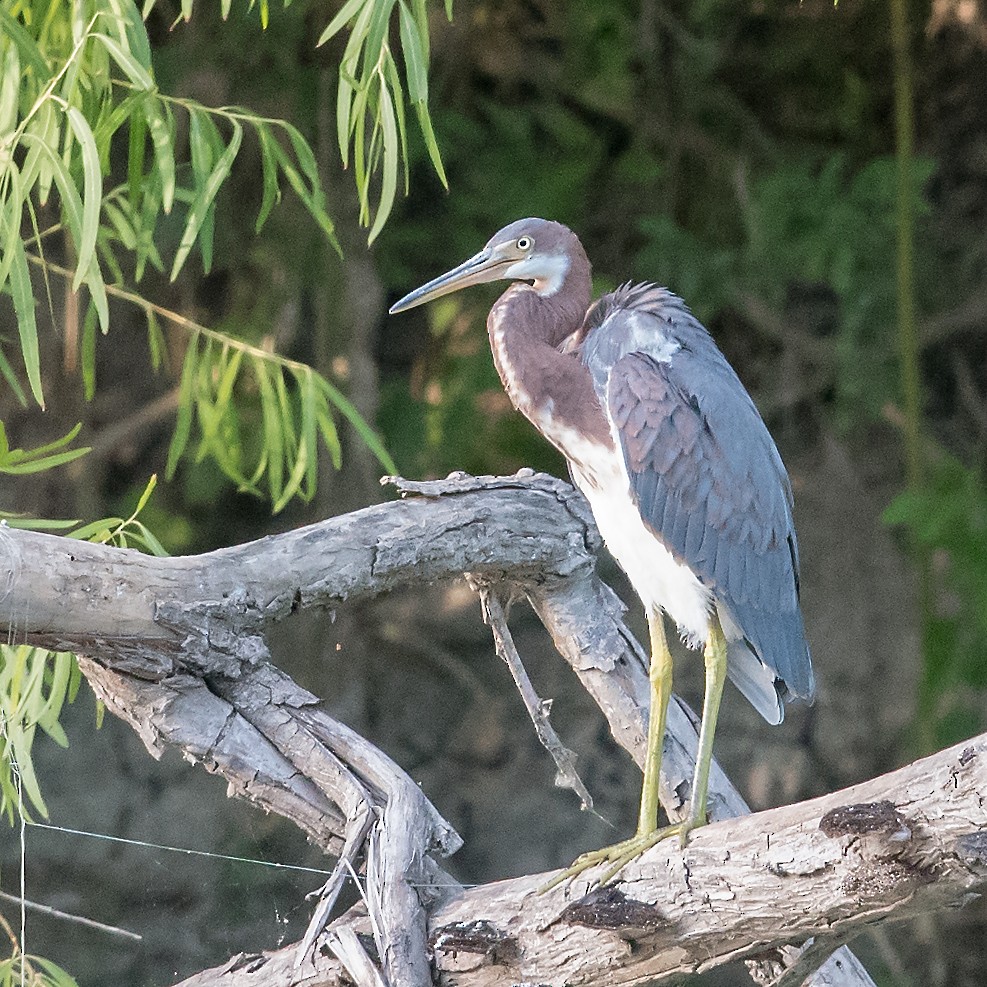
column 741, row 153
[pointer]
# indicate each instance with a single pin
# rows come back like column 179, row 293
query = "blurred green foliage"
column 948, row 520
column 740, row 154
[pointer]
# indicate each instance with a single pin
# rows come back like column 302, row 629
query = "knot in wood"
column 866, row 818
column 481, row 937
column 610, row 908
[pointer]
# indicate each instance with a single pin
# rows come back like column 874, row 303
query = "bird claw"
column 619, row 855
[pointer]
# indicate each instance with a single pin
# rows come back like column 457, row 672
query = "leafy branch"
column 261, row 416
column 371, row 94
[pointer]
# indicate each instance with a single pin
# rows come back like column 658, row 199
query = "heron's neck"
column 552, row 389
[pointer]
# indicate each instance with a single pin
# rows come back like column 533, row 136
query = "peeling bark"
column 176, row 648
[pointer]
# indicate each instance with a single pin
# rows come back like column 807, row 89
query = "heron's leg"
column 715, row 657
column 660, row 676
column 647, row 835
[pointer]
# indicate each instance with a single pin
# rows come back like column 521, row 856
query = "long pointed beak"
column 484, row 266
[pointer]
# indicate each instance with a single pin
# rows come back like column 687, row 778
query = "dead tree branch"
column 176, row 648
column 906, row 843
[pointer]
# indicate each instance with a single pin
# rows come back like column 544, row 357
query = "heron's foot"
column 621, row 854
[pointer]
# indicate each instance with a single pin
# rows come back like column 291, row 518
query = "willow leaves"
column 261, row 419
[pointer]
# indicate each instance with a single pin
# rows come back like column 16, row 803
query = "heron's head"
column 538, row 251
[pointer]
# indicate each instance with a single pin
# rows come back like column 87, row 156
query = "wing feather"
column 707, row 478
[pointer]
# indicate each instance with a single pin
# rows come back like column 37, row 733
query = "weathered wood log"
column 175, row 647
column 911, row 841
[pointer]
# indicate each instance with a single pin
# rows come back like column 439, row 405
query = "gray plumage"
column 706, row 477
column 633, row 386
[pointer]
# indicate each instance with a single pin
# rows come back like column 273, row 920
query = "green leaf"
column 197, row 214
column 68, row 193
column 23, row 294
column 273, row 434
column 389, row 181
column 131, row 30
column 269, row 162
column 97, row 531
column 8, row 374
column 12, row 220
column 10, row 68
column 346, row 14
column 344, row 104
column 415, row 59
column 145, row 496
column 155, row 340
column 44, row 457
column 92, row 195
column 395, row 83
column 135, row 158
column 37, row 524
column 186, row 400
column 134, row 71
column 202, row 143
column 158, row 122
column 145, row 535
column 376, row 32
column 26, row 46
column 97, row 291
column 312, row 204
column 121, row 224
column 309, row 439
column 88, row 353
column 354, row 417
column 431, row 144
column 330, row 436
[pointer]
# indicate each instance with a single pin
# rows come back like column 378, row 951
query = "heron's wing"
column 709, row 481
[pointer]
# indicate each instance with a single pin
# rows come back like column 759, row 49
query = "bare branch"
column 537, row 708
column 740, row 890
column 175, row 648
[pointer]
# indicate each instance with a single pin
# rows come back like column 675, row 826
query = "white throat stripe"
column 546, row 272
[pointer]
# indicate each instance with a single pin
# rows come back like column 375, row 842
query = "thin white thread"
column 179, row 849
column 217, row 856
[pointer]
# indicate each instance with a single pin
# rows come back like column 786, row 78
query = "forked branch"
column 176, row 648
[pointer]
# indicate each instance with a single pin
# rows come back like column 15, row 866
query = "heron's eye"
column 524, row 243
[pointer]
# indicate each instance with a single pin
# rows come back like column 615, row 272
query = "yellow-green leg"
column 648, row 833
column 660, row 677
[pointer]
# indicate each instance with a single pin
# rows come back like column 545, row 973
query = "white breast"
column 661, row 581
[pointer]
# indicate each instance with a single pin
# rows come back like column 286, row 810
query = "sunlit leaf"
column 204, row 199
column 22, row 292
column 92, row 195
column 390, row 171
column 347, row 12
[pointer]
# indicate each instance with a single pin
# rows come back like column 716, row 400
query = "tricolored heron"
column 686, row 485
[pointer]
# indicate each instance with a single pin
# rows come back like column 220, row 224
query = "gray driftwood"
column 176, row 648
